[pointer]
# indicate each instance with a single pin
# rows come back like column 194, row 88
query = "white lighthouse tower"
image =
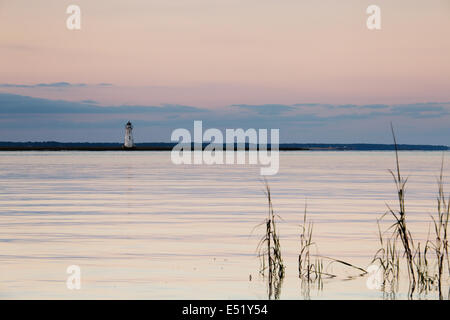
column 129, row 143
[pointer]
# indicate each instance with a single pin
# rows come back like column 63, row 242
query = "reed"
column 388, row 258
column 311, row 266
column 308, row 269
column 269, row 251
column 428, row 266
column 424, row 274
column 401, row 230
column 426, row 277
column 440, row 244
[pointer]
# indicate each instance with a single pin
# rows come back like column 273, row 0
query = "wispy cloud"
column 17, row 104
column 422, row 110
column 25, row 116
column 88, row 101
column 266, row 109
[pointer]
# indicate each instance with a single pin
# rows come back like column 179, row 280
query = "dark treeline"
column 163, row 146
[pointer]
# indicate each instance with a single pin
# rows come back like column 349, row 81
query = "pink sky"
column 213, row 53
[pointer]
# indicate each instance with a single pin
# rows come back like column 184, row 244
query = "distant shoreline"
column 162, row 146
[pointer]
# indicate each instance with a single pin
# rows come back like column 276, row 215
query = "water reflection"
column 140, row 227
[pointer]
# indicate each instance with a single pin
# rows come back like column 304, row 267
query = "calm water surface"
column 141, row 227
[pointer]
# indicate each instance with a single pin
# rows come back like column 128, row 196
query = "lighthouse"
column 129, row 143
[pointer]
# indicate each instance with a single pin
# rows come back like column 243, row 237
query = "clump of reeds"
column 424, row 274
column 440, row 245
column 311, row 265
column 389, row 261
column 309, row 269
column 426, row 277
column 400, row 227
column 269, row 251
